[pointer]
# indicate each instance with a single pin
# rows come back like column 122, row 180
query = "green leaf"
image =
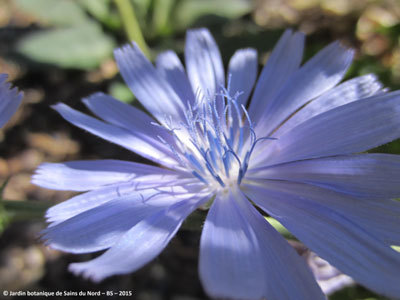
column 54, row 12
column 396, row 248
column 279, row 227
column 100, row 9
column 2, row 187
column 121, row 92
column 132, row 27
column 195, row 221
column 142, row 7
column 4, row 218
column 162, row 16
column 188, row 11
column 83, row 47
column 24, row 210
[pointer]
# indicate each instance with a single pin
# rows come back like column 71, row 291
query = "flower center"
column 216, row 140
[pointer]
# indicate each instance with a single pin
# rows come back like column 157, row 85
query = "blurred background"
column 61, row 51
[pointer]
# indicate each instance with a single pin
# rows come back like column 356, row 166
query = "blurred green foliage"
column 54, row 13
column 23, row 210
column 83, row 47
column 190, row 10
column 280, row 228
column 19, row 210
column 100, row 10
column 121, row 92
column 72, row 39
column 4, row 218
column 81, row 34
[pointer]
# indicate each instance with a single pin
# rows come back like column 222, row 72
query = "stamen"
column 228, row 142
column 247, row 116
column 213, row 147
column 235, row 105
column 216, row 119
column 240, row 144
column 173, row 150
column 216, row 176
column 194, row 161
column 225, row 160
column 199, row 177
column 248, row 154
column 235, row 156
column 212, row 135
column 210, row 154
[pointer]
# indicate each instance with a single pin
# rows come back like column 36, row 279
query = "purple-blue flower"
column 10, row 99
column 294, row 147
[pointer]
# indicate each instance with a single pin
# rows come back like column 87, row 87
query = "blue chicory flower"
column 10, row 99
column 294, row 151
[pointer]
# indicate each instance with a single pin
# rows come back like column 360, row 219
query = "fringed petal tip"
column 15, row 93
column 41, row 236
column 8, row 86
column 50, row 219
column 242, row 74
column 147, row 84
column 58, row 106
column 203, row 62
column 95, row 96
column 128, row 47
column 10, row 99
column 84, row 270
column 45, row 176
column 38, row 174
column 199, row 31
column 44, row 236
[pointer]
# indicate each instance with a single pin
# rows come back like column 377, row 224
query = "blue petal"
column 350, row 128
column 380, row 217
column 351, row 90
column 10, row 99
column 126, row 116
column 243, row 73
column 152, row 184
column 318, row 75
column 86, row 201
column 136, row 142
column 203, row 63
column 149, row 87
column 284, row 60
column 139, row 245
column 375, row 176
column 243, row 257
column 130, row 118
column 287, row 274
column 334, row 237
column 99, row 228
column 229, row 263
column 89, row 175
column 170, row 67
